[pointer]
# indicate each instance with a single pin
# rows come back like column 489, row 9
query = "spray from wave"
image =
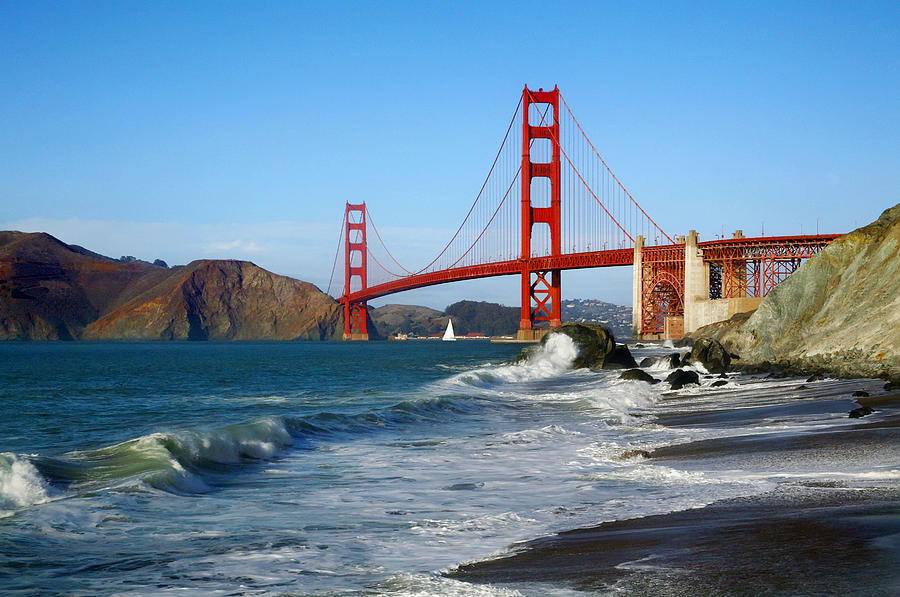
column 21, row 485
column 550, row 359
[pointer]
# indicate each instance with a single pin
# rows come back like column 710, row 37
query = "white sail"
column 448, row 333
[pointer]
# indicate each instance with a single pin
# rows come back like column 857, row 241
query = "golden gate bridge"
column 550, row 203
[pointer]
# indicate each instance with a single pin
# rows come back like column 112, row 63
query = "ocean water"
column 341, row 468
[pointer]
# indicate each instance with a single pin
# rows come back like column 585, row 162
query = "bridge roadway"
column 607, row 258
column 772, row 247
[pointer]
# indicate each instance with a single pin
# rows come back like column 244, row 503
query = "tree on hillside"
column 479, row 316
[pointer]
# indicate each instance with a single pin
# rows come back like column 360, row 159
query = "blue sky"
column 181, row 130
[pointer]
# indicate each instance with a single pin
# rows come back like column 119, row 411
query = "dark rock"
column 711, row 354
column 862, row 411
column 892, row 385
column 637, row 374
column 621, row 358
column 680, row 378
column 673, row 375
column 723, row 376
column 525, row 354
column 628, row 454
column 720, row 382
column 595, row 344
column 682, row 342
column 674, row 360
column 647, row 362
column 802, row 387
column 860, row 394
column 815, row 377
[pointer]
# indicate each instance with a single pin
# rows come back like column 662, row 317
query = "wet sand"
column 806, row 537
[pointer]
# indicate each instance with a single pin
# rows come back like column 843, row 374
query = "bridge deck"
column 774, row 247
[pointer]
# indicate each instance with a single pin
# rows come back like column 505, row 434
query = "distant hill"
column 407, row 319
column 53, row 291
column 493, row 319
column 490, row 319
column 615, row 317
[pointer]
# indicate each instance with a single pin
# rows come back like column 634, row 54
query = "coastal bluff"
column 839, row 313
column 53, row 291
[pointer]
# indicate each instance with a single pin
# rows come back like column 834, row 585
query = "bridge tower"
column 355, row 313
column 540, row 288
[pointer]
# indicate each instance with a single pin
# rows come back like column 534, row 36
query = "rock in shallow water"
column 862, row 411
column 680, row 378
column 596, row 345
column 638, row 375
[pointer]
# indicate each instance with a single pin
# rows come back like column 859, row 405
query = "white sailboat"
column 448, row 333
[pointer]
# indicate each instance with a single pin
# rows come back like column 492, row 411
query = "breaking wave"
column 195, row 461
column 21, row 485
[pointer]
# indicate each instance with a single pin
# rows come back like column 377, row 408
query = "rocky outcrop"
column 680, row 378
column 839, row 312
column 597, row 348
column 711, row 354
column 638, row 375
column 53, row 291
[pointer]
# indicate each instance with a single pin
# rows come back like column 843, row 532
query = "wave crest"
column 21, row 485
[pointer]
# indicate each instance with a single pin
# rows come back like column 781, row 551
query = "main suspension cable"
column 336, row 255
column 597, row 153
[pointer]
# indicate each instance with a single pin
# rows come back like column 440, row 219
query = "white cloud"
column 242, row 246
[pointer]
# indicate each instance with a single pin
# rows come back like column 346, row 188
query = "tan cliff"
column 50, row 290
column 840, row 312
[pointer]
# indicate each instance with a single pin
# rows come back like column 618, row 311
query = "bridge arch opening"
column 665, row 300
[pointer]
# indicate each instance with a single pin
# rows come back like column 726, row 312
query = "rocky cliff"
column 840, row 312
column 50, row 290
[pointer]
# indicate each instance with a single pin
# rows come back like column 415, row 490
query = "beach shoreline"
column 818, row 532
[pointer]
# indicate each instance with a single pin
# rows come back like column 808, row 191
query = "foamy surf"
column 548, row 360
column 21, row 485
column 365, row 469
column 174, row 461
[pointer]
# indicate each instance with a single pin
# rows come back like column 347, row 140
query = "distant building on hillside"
column 616, row 317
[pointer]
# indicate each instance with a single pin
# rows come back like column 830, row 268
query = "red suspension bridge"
column 550, row 203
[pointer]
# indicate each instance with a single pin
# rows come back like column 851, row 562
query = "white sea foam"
column 21, row 485
column 260, row 440
column 548, row 360
column 489, row 523
column 653, row 475
column 422, row 585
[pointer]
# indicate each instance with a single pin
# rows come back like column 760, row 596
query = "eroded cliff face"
column 50, row 290
column 224, row 300
column 839, row 312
